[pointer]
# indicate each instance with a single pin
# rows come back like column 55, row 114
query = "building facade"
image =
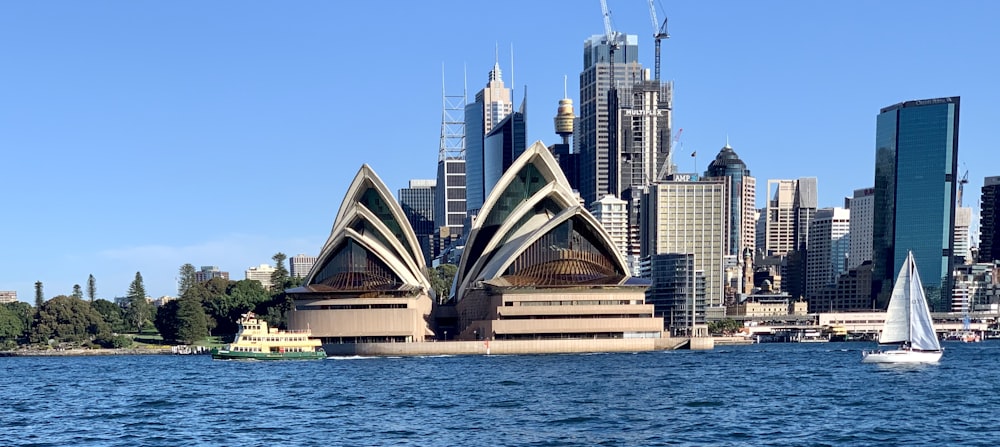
column 862, row 207
column 689, row 216
column 261, row 274
column 8, row 296
column 790, row 207
column 612, row 213
column 597, row 107
column 502, row 145
column 742, row 192
column 417, row 201
column 300, row 264
column 989, row 220
column 492, row 104
column 829, row 243
column 208, row 272
column 916, row 157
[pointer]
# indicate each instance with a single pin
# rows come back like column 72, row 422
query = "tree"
column 12, row 326
column 280, row 276
column 139, row 311
column 91, row 288
column 182, row 320
column 441, row 279
column 65, row 318
column 77, row 292
column 185, row 279
column 39, row 296
column 111, row 313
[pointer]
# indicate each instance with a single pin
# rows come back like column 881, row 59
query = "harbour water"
column 809, row 394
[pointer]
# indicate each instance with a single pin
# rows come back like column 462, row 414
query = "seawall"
column 511, row 347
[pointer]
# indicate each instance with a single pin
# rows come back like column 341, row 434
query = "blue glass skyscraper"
column 916, row 158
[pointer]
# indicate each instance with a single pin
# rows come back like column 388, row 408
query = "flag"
column 694, row 153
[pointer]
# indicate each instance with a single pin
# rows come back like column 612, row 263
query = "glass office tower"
column 916, row 159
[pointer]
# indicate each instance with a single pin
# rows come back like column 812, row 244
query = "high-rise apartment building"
column 989, row 220
column 417, row 202
column 826, row 254
column 742, row 192
column 593, row 132
column 862, row 207
column 687, row 216
column 492, row 105
column 916, row 158
column 300, row 264
column 261, row 273
column 208, row 272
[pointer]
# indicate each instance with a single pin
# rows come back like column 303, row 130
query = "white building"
column 862, row 222
column 963, row 220
column 262, row 274
column 300, row 264
column 826, row 254
column 612, row 213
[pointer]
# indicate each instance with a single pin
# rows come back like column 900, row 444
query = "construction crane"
column 665, row 168
column 612, row 37
column 961, row 186
column 659, row 33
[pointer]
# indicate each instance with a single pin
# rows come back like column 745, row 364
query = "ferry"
column 256, row 341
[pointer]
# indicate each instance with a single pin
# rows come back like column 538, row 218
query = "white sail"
column 908, row 319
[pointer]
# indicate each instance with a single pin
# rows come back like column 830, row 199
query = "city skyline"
column 142, row 137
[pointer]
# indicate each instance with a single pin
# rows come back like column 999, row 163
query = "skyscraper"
column 502, row 146
column 741, row 211
column 685, row 216
column 569, row 161
column 916, row 157
column 826, row 255
column 492, row 105
column 612, row 213
column 593, row 133
column 449, row 193
column 788, row 213
column 989, row 220
column 417, row 202
column 862, row 220
column 641, row 151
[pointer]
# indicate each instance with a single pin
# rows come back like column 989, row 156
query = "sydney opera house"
column 536, row 266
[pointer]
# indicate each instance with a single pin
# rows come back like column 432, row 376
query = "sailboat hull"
column 900, row 356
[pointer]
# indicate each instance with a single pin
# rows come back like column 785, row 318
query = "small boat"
column 256, row 341
column 908, row 323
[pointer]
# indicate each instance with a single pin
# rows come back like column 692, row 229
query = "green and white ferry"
column 256, row 341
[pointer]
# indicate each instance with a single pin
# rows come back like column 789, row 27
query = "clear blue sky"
column 139, row 136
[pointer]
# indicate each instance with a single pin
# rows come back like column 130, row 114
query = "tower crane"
column 961, row 183
column 659, row 33
column 612, row 38
column 665, row 168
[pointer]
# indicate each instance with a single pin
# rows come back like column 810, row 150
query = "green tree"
column 279, row 278
column 139, row 311
column 441, row 279
column 182, row 320
column 77, row 292
column 112, row 314
column 39, row 296
column 185, row 279
column 67, row 319
column 12, row 326
column 91, row 288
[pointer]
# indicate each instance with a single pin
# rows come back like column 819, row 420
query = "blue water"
column 770, row 394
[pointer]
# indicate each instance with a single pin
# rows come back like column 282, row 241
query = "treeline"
column 207, row 308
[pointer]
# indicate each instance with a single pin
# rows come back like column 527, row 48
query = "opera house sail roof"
column 368, row 281
column 533, row 231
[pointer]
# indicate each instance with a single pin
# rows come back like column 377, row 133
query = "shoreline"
column 84, row 352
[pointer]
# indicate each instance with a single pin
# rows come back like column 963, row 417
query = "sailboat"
column 907, row 323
